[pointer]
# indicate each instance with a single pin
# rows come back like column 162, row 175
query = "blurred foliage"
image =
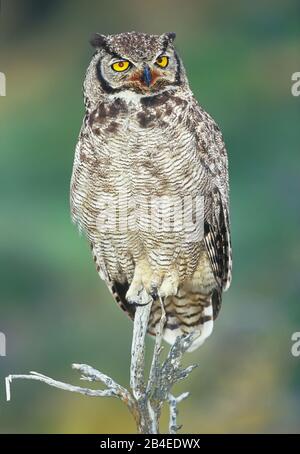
column 239, row 56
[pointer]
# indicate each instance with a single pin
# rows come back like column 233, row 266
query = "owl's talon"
column 140, row 305
column 132, row 297
column 155, row 283
column 154, row 293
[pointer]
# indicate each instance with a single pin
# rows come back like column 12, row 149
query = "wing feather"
column 213, row 157
column 218, row 246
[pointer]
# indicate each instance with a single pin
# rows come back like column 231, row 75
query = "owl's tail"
column 187, row 313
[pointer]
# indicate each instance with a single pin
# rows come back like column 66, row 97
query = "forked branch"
column 145, row 398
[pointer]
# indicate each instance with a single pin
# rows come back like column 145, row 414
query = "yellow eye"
column 162, row 61
column 121, row 65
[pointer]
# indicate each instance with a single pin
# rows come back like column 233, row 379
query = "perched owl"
column 150, row 184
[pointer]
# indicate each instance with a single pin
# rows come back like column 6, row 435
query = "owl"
column 150, row 187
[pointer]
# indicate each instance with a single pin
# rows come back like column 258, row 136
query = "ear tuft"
column 97, row 40
column 170, row 36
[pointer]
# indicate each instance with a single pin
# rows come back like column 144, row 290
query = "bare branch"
column 141, row 318
column 57, row 384
column 157, row 349
column 173, row 402
column 145, row 398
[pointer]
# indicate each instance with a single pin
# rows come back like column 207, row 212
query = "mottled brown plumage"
column 145, row 150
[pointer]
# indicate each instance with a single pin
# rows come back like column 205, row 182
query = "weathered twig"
column 145, row 399
column 173, row 402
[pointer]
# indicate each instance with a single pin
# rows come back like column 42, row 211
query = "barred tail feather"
column 201, row 332
column 186, row 313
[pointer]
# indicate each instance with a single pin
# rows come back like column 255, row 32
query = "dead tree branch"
column 145, row 398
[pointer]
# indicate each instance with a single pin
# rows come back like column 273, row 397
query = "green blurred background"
column 239, row 56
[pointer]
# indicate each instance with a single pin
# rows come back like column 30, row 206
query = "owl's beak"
column 146, row 75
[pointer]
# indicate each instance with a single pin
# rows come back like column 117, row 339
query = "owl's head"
column 142, row 63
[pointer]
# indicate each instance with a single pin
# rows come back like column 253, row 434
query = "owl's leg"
column 169, row 286
column 142, row 275
column 156, row 283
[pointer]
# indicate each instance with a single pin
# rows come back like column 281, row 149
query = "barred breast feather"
column 132, row 150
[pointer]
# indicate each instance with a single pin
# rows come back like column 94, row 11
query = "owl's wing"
column 213, row 156
column 83, row 199
column 83, row 195
column 218, row 245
